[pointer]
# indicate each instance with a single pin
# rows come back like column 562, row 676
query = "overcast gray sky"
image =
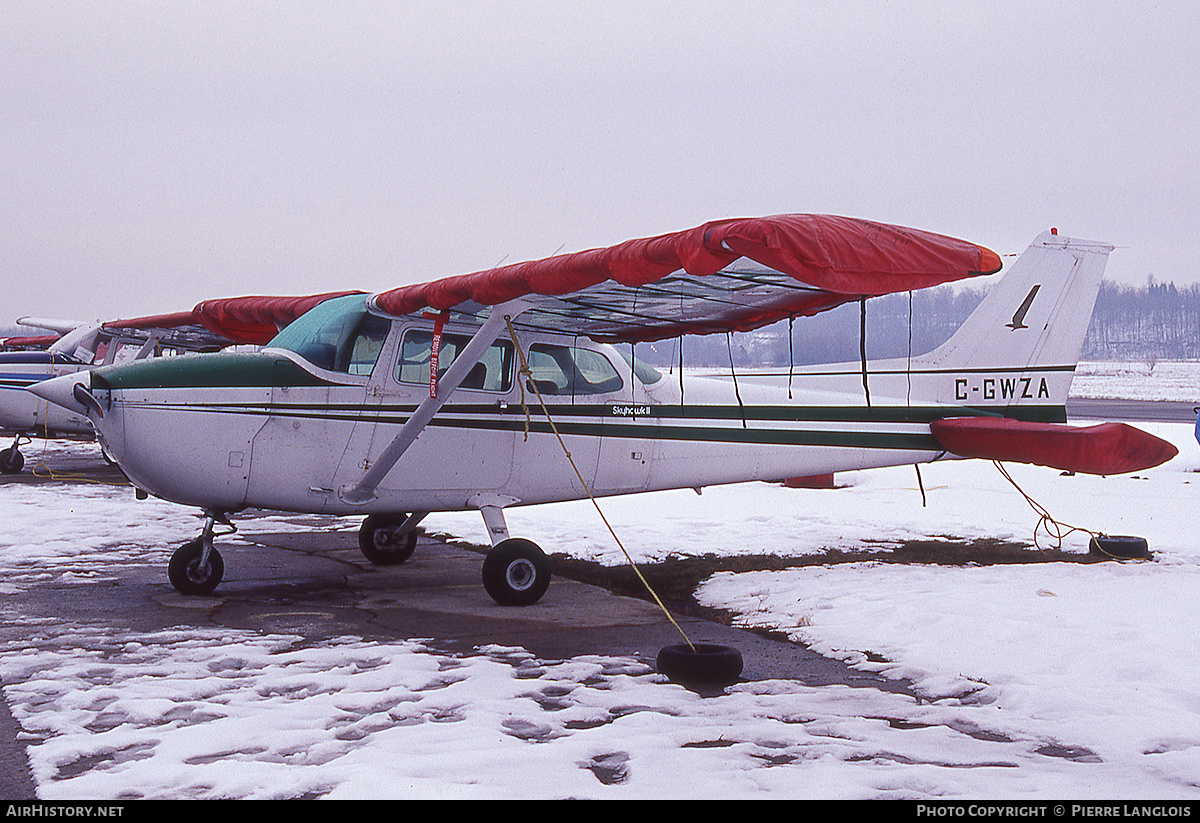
column 156, row 154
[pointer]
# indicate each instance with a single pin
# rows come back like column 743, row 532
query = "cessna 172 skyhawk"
column 519, row 385
column 209, row 326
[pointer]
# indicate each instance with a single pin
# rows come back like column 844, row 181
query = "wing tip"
column 989, row 262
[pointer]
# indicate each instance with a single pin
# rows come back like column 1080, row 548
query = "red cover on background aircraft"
column 40, row 341
column 1106, row 448
column 839, row 255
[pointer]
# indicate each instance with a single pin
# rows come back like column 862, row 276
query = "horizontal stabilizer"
column 1107, row 448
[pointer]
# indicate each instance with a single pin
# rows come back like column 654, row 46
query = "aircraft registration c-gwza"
column 519, row 385
column 77, row 347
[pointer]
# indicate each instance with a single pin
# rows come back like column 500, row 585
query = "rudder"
column 1016, row 353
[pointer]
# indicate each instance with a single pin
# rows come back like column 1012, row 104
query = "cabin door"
column 464, row 449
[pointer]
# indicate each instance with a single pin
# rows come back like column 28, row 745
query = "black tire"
column 1120, row 547
column 188, row 576
column 704, row 664
column 11, row 461
column 516, row 572
column 379, row 543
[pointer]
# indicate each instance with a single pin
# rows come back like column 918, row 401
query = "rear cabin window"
column 644, row 372
column 492, row 373
column 566, row 370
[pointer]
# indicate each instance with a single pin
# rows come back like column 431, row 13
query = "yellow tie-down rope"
column 43, row 469
column 526, row 373
column 1055, row 529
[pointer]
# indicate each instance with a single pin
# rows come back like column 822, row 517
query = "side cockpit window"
column 363, row 348
column 492, row 373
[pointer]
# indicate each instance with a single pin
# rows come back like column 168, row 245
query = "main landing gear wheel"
column 516, row 572
column 700, row 664
column 189, row 575
column 11, row 461
column 381, row 542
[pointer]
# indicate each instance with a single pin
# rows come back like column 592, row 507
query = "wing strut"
column 364, row 490
column 149, row 346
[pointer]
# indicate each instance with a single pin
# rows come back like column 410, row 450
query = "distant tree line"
column 833, row 336
column 1157, row 321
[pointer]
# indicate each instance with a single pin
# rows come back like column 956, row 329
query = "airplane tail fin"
column 1016, row 353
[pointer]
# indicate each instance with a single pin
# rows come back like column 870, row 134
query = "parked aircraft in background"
column 77, row 347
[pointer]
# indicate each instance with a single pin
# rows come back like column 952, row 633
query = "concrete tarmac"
column 318, row 585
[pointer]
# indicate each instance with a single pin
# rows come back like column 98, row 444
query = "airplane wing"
column 255, row 320
column 251, row 320
column 51, row 324
column 738, row 275
column 728, row 275
column 36, row 342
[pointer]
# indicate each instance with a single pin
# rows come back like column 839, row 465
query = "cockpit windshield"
column 337, row 335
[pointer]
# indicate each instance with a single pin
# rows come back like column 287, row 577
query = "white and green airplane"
column 519, row 386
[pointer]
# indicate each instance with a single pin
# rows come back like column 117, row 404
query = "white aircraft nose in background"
column 61, row 390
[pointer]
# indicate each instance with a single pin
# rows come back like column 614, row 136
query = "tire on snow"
column 700, row 664
column 1120, row 547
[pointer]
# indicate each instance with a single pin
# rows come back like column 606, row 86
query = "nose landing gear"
column 196, row 567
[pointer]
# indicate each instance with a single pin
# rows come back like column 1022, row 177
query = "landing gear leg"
column 197, row 567
column 516, row 572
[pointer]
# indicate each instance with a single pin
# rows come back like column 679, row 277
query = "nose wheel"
column 196, row 567
column 11, row 459
column 191, row 572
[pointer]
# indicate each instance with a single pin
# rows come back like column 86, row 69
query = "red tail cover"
column 1106, row 448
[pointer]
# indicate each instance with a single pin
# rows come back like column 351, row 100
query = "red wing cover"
column 40, row 341
column 155, row 321
column 251, row 320
column 256, row 320
column 838, row 255
column 1106, row 448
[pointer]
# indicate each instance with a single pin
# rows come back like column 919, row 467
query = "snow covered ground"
column 1162, row 380
column 1036, row 681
